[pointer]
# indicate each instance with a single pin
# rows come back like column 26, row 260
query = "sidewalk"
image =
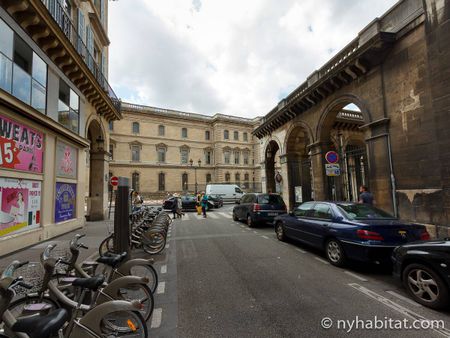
column 95, row 233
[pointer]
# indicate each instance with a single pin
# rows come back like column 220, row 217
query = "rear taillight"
column 424, row 236
column 369, row 235
column 256, row 207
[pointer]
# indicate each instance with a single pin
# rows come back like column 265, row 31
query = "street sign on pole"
column 114, row 181
column 332, row 169
column 332, row 157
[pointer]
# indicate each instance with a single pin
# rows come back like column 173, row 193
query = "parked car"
column 259, row 208
column 424, row 269
column 188, row 202
column 228, row 192
column 348, row 231
column 217, row 200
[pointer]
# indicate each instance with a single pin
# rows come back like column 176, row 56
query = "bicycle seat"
column 92, row 283
column 41, row 326
column 112, row 260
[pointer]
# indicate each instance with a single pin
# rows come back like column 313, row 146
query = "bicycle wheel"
column 153, row 242
column 107, row 245
column 143, row 294
column 21, row 306
column 128, row 324
column 146, row 270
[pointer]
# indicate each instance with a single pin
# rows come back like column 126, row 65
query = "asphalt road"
column 222, row 279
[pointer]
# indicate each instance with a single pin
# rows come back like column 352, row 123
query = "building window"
column 111, row 151
column 68, row 107
column 208, row 178
column 184, row 182
column 208, row 156
column 161, row 155
column 227, row 177
column 226, row 156
column 135, row 152
column 184, row 133
column 207, row 135
column 237, row 178
column 246, row 178
column 245, row 136
column 22, row 72
column 184, row 155
column 161, row 182
column 135, row 128
column 236, row 157
column 135, row 181
column 236, row 136
column 226, row 135
column 246, row 155
column 111, row 125
column 161, row 130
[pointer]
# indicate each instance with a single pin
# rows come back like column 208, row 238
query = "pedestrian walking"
column 175, row 206
column 204, row 202
column 180, row 212
column 199, row 204
column 365, row 197
column 137, row 200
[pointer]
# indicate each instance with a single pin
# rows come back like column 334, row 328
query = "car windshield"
column 363, row 211
column 270, row 199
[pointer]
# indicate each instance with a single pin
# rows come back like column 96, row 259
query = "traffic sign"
column 332, row 169
column 332, row 157
column 114, row 181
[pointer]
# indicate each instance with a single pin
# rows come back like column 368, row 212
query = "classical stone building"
column 382, row 103
column 154, row 148
column 55, row 106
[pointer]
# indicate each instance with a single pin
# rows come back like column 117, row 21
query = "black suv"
column 259, row 208
column 188, row 202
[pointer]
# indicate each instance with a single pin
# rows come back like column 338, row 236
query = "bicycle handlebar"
column 14, row 265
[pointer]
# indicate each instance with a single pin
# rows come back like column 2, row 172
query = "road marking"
column 397, row 307
column 321, row 260
column 167, row 246
column 186, row 217
column 164, row 268
column 409, row 301
column 355, row 276
column 198, row 216
column 161, row 288
column 265, row 237
column 300, row 250
column 213, row 215
column 156, row 318
column 224, row 214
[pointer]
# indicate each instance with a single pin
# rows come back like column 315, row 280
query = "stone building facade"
column 382, row 103
column 55, row 106
column 154, row 147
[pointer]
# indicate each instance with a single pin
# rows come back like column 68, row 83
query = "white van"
column 228, row 192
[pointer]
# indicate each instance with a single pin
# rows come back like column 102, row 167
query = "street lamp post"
column 195, row 173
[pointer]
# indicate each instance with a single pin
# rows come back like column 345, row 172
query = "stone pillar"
column 98, row 189
column 263, row 178
column 319, row 185
column 284, row 184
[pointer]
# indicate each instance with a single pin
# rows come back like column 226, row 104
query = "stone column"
column 98, row 189
column 319, row 184
column 285, row 191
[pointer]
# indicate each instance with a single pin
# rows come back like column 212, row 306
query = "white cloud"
column 235, row 57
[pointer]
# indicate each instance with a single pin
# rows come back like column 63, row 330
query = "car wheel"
column 335, row 253
column 250, row 222
column 425, row 286
column 235, row 218
column 279, row 229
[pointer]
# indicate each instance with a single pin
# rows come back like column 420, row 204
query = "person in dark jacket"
column 365, row 197
column 175, row 207
column 204, row 202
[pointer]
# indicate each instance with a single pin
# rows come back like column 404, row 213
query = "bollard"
column 121, row 217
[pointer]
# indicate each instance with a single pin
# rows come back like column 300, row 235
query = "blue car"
column 348, row 231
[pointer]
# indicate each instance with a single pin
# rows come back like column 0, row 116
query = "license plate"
column 272, row 214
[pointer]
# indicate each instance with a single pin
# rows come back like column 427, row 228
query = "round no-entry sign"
column 114, row 181
column 332, row 157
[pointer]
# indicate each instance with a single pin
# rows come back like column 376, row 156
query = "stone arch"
column 272, row 148
column 292, row 129
column 275, row 139
column 329, row 114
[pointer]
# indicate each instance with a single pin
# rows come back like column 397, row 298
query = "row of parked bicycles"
column 62, row 297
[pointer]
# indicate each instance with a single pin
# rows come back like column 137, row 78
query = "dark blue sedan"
column 348, row 231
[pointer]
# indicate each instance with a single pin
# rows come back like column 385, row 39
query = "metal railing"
column 64, row 22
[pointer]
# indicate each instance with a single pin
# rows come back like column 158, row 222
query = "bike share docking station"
column 122, row 216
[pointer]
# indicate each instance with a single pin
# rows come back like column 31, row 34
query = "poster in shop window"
column 21, row 147
column 65, row 201
column 66, row 160
column 20, row 207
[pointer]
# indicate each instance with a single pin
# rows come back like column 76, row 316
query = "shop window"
column 68, row 107
column 161, row 182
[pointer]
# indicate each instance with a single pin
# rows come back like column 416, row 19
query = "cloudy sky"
column 237, row 57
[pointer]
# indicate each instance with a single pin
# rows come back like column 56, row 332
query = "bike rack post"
column 121, row 217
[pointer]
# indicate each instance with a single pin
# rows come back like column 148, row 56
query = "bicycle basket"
column 33, row 274
column 65, row 255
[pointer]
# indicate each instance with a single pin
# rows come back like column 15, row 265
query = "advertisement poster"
column 66, row 196
column 66, row 160
column 20, row 207
column 21, row 147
